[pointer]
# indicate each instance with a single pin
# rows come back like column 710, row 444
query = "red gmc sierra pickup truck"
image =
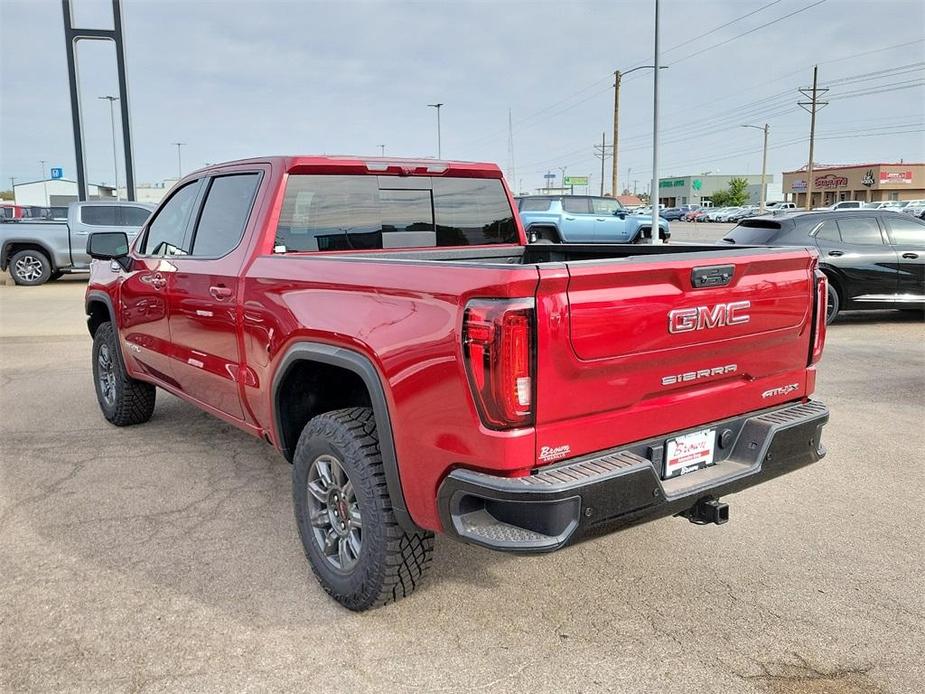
column 384, row 324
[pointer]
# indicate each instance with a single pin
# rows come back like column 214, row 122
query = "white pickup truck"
column 36, row 252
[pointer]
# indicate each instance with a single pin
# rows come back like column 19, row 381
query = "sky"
column 237, row 78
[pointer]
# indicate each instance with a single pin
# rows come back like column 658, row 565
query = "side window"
column 224, row 214
column 828, row 231
column 535, row 204
column 100, row 215
column 907, row 231
column 576, row 205
column 604, row 206
column 134, row 216
column 860, row 231
column 166, row 233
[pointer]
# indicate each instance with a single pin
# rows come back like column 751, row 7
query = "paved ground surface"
column 165, row 557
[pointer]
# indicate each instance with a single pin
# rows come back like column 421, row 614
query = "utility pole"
column 178, row 145
column 813, row 105
column 563, row 169
column 112, row 124
column 600, row 151
column 439, row 148
column 653, row 194
column 512, row 172
column 764, row 165
column 381, row 150
column 617, row 80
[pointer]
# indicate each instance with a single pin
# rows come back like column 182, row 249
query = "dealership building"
column 867, row 182
column 696, row 190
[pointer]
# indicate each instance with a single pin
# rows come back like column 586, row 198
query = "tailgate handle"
column 712, row 276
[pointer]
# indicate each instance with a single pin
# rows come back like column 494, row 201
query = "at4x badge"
column 783, row 390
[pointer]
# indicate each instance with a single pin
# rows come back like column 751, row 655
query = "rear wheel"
column 543, row 234
column 30, row 268
column 356, row 549
column 832, row 304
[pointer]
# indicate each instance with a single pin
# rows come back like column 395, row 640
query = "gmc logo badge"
column 685, row 320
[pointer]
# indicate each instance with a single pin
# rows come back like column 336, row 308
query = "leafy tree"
column 6, row 195
column 720, row 198
column 738, row 194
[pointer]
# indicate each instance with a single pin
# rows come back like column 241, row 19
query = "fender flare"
column 96, row 295
column 363, row 367
column 4, row 253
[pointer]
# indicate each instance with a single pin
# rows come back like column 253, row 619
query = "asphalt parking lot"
column 165, row 557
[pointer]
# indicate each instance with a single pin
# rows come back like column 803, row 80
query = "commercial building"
column 867, row 182
column 696, row 190
column 55, row 192
column 151, row 193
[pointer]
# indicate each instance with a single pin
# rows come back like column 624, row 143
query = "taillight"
column 822, row 299
column 498, row 342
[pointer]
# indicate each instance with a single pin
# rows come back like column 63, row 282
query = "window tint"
column 828, row 231
column 605, row 206
column 332, row 213
column 224, row 214
column 576, row 205
column 134, row 216
column 535, row 204
column 907, row 231
column 753, row 231
column 472, row 212
column 100, row 215
column 166, row 233
column 861, row 231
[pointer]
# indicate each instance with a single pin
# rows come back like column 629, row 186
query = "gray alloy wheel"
column 832, row 304
column 105, row 375
column 337, row 525
column 30, row 268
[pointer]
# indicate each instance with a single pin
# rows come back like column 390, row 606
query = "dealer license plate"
column 689, row 452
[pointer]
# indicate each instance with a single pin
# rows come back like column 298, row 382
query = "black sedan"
column 874, row 259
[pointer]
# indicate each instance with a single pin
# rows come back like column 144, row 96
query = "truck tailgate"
column 629, row 349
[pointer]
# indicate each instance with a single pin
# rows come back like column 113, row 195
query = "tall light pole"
column 439, row 149
column 112, row 124
column 178, row 145
column 381, row 150
column 764, row 163
column 617, row 79
column 653, row 194
column 44, row 180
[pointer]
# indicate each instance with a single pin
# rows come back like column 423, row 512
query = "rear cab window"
column 366, row 212
column 754, row 232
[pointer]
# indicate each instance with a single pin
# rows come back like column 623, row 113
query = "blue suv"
column 584, row 219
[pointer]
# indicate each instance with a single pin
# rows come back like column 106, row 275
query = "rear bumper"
column 613, row 489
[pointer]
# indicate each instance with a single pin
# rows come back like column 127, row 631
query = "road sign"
column 57, row 173
column 549, row 176
column 576, row 180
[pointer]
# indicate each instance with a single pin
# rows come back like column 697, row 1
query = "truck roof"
column 344, row 163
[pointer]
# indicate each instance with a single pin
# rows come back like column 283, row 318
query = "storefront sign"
column 798, row 186
column 890, row 177
column 830, row 181
column 868, row 178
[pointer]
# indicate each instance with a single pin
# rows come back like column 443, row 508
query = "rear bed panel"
column 609, row 371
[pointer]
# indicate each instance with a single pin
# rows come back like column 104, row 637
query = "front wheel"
column 356, row 549
column 123, row 400
column 30, row 268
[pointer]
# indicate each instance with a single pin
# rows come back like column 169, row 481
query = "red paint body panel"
column 602, row 343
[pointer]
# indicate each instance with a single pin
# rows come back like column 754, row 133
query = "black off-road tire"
column 30, row 268
column 390, row 563
column 56, row 275
column 131, row 401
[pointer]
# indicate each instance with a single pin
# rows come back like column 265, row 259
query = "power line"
column 723, row 26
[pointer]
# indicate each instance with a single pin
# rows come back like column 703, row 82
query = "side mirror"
column 620, row 213
column 109, row 245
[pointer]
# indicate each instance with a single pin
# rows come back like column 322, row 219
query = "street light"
column 653, row 195
column 178, row 145
column 618, row 78
column 112, row 124
column 439, row 150
column 764, row 162
column 381, row 150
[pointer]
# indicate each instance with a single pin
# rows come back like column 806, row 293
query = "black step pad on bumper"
column 616, row 488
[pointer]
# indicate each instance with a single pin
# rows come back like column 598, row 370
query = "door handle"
column 219, row 292
column 836, row 253
column 156, row 280
column 570, row 219
column 910, row 256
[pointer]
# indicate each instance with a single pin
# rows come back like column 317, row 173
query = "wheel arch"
column 322, row 361
column 551, row 226
column 13, row 246
column 98, row 306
